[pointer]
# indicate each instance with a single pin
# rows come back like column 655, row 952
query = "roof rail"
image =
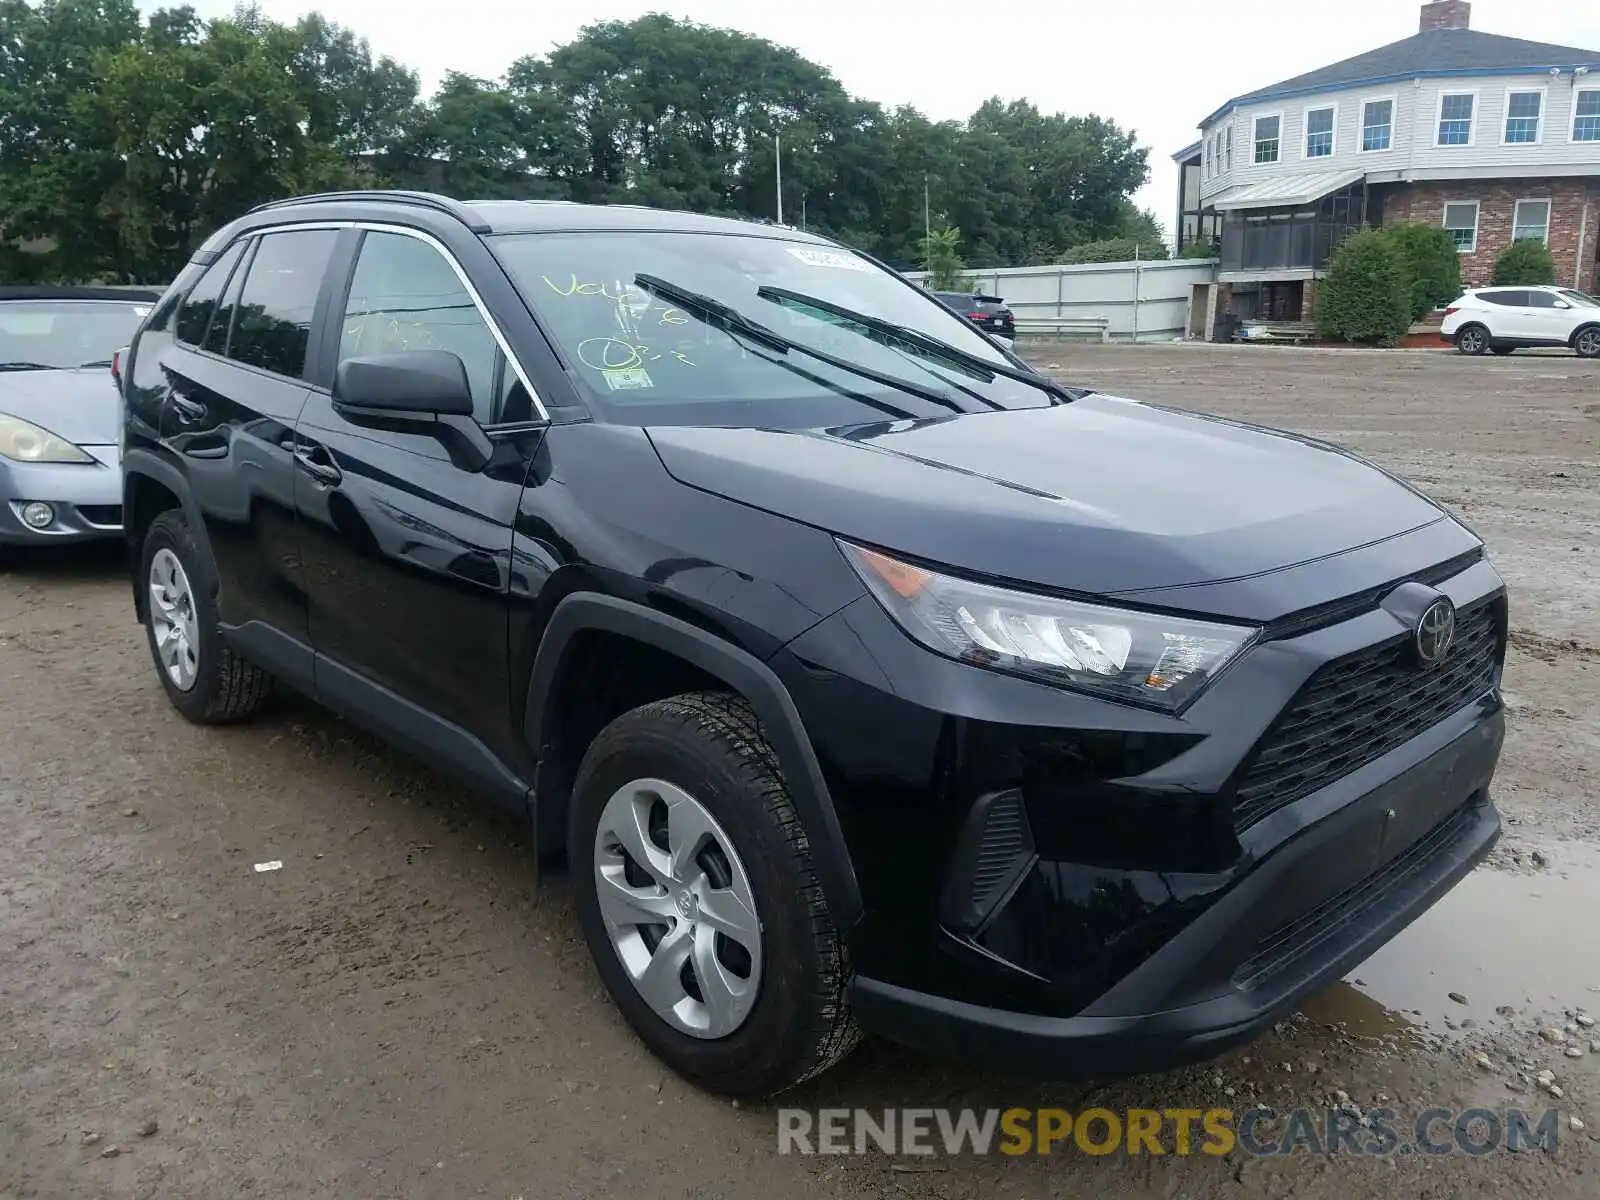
column 444, row 204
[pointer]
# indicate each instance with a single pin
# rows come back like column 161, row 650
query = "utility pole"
column 927, row 217
column 777, row 152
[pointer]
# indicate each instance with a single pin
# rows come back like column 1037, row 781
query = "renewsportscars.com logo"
column 1261, row 1132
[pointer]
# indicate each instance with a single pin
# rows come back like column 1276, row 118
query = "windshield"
column 1583, row 299
column 643, row 358
column 44, row 335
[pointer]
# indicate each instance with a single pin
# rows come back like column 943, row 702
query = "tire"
column 1587, row 341
column 793, row 1022
column 1502, row 351
column 222, row 687
column 1472, row 340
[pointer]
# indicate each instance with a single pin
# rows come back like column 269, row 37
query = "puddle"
column 1528, row 940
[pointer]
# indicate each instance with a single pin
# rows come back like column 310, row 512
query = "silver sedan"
column 60, row 413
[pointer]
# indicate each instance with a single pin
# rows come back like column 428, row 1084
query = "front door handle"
column 314, row 461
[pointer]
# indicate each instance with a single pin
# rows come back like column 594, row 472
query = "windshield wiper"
column 733, row 321
column 925, row 342
column 27, row 366
column 98, row 362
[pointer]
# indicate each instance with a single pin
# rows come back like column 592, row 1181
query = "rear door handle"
column 188, row 410
column 314, row 462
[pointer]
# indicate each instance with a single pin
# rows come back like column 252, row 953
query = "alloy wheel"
column 1588, row 343
column 172, row 620
column 1472, row 341
column 678, row 908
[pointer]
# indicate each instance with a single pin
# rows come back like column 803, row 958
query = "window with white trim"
column 1268, row 132
column 1524, row 116
column 1531, row 220
column 1319, row 132
column 1455, row 118
column 1461, row 220
column 1586, row 121
column 1227, row 154
column 1377, row 124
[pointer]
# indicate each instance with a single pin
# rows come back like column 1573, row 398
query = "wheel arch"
column 1586, row 327
column 702, row 653
column 150, row 487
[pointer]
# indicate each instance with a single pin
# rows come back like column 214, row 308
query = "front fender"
column 743, row 673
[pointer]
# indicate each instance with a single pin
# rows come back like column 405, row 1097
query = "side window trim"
column 241, row 272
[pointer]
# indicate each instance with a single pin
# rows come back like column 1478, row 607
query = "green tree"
column 125, row 141
column 1526, row 262
column 1433, row 262
column 1366, row 296
column 941, row 259
column 1119, row 249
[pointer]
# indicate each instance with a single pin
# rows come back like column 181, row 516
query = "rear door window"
column 272, row 330
column 194, row 318
column 1505, row 299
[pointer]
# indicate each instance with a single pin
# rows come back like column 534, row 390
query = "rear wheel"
column 204, row 679
column 700, row 902
column 1587, row 343
column 1473, row 340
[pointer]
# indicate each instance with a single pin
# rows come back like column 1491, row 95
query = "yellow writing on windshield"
column 614, row 354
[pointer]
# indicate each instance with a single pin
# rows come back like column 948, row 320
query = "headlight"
column 28, row 443
column 1142, row 658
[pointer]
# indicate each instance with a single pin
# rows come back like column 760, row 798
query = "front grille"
column 1360, row 707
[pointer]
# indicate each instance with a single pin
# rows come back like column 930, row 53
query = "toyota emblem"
column 1435, row 632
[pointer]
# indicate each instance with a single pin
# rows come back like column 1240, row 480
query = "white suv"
column 1504, row 319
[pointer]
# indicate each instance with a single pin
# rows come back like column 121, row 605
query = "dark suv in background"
column 867, row 678
column 988, row 313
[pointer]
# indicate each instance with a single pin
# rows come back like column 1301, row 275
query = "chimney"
column 1446, row 14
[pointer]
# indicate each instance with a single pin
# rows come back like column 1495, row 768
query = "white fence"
column 1145, row 302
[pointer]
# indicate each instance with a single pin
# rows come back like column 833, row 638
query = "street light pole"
column 777, row 151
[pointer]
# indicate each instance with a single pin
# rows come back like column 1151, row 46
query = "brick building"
column 1493, row 138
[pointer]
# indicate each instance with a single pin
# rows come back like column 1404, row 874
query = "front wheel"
column 1587, row 343
column 1473, row 340
column 699, row 900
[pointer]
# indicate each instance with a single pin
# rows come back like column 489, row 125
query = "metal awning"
column 1289, row 191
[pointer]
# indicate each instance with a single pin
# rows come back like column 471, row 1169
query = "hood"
column 1099, row 496
column 80, row 405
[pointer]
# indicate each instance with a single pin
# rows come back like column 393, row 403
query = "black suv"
column 988, row 313
column 868, row 679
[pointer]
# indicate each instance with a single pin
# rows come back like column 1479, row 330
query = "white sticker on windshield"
column 627, row 380
column 812, row 256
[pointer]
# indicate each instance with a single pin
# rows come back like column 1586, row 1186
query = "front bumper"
column 1241, row 966
column 86, row 497
column 1043, row 872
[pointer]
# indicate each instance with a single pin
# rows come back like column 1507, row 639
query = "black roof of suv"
column 840, row 652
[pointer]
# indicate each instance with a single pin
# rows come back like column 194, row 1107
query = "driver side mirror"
column 419, row 391
column 1562, row 304
column 416, row 383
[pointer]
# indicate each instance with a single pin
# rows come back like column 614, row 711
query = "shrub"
column 1367, row 294
column 1116, row 250
column 1525, row 262
column 1199, row 250
column 1433, row 263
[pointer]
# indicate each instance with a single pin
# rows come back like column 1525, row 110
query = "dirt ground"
column 400, row 1012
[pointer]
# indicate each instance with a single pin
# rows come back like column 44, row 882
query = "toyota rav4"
column 867, row 679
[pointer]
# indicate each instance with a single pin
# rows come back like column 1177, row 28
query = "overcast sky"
column 1154, row 66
